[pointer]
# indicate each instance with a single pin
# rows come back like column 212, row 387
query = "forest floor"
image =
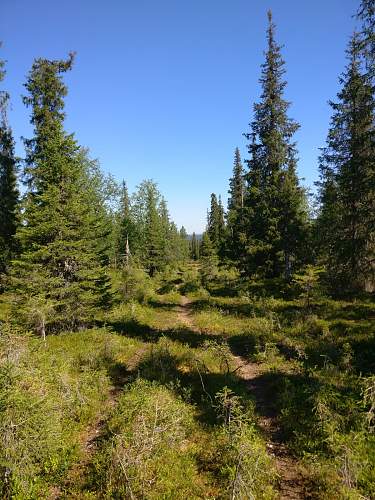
column 196, row 397
column 291, row 480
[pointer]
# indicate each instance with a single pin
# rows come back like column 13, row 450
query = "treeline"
column 72, row 225
column 269, row 231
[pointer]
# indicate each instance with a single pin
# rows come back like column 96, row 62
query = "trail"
column 291, row 483
column 89, row 441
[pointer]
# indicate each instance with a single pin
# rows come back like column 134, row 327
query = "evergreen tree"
column 366, row 13
column 183, row 245
column 194, row 247
column 126, row 226
column 56, row 275
column 235, row 223
column 149, row 247
column 216, row 224
column 208, row 259
column 8, row 187
column 155, row 232
column 347, row 188
column 97, row 192
column 275, row 204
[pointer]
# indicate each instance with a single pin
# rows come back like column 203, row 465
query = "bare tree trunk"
column 43, row 329
column 288, row 267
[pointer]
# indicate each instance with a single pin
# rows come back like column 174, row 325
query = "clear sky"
column 163, row 89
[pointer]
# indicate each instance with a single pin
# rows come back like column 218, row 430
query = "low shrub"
column 148, row 454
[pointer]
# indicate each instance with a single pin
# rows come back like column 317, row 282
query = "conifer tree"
column 347, row 188
column 57, row 272
column 366, row 13
column 194, row 247
column 208, row 259
column 126, row 229
column 216, row 224
column 150, row 230
column 183, row 245
column 235, row 223
column 155, row 232
column 275, row 204
column 8, row 187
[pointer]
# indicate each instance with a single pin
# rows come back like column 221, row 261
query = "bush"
column 136, row 284
column 49, row 393
column 148, row 455
column 248, row 469
column 191, row 281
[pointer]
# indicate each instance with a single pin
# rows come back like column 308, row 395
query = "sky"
column 164, row 89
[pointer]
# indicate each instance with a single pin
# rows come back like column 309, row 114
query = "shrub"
column 136, row 284
column 148, row 455
column 246, row 465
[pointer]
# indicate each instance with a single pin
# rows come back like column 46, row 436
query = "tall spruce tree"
column 56, row 275
column 347, row 185
column 275, row 204
column 366, row 13
column 216, row 224
column 235, row 222
column 8, row 187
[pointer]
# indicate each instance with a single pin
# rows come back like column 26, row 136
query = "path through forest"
column 78, row 475
column 291, row 482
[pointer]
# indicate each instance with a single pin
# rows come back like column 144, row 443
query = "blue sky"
column 163, row 89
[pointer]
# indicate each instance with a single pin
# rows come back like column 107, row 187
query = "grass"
column 170, row 412
column 49, row 395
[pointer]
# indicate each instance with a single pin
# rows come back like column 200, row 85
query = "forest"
column 140, row 362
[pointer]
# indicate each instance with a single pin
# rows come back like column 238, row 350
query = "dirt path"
column 89, row 439
column 185, row 314
column 291, row 482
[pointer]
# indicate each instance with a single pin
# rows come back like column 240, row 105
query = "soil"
column 291, row 480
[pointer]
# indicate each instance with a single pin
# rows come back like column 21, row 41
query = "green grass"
column 49, row 395
column 157, row 392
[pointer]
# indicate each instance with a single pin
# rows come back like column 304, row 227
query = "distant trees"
column 194, row 247
column 9, row 209
column 347, row 182
column 143, row 220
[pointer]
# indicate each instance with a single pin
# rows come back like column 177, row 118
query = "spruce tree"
column 126, row 226
column 8, row 187
column 151, row 223
column 216, row 224
column 183, row 245
column 194, row 247
column 235, row 223
column 275, row 206
column 347, row 188
column 56, row 275
column 208, row 259
column 366, row 13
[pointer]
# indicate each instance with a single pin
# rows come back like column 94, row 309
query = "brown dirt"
column 291, row 483
column 185, row 314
